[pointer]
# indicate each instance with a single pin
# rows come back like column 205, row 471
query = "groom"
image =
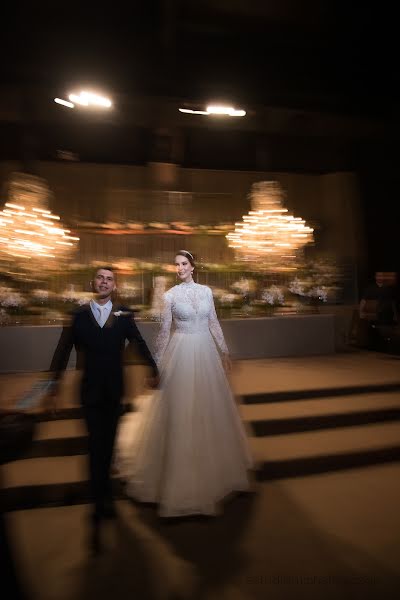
column 99, row 332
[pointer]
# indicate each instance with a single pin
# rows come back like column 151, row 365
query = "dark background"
column 311, row 58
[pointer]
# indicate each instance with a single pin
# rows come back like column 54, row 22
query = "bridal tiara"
column 186, row 252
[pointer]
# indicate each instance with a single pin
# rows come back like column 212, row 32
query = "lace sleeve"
column 165, row 328
column 215, row 327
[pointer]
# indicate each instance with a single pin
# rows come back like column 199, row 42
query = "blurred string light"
column 31, row 236
column 268, row 236
column 228, row 111
column 64, row 102
column 87, row 99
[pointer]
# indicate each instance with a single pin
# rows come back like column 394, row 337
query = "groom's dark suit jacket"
column 100, row 351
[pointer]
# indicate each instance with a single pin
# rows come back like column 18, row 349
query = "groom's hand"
column 153, row 382
column 50, row 400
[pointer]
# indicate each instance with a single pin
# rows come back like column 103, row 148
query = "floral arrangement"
column 127, row 290
column 225, row 298
column 4, row 317
column 75, row 297
column 11, row 299
column 236, row 293
column 319, row 293
column 41, row 296
column 273, row 296
column 245, row 287
column 306, row 289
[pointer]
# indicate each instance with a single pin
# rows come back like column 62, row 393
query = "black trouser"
column 101, row 421
column 380, row 335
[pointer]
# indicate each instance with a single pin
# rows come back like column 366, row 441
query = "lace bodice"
column 190, row 306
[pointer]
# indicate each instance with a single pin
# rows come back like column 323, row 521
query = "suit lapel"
column 111, row 317
column 91, row 316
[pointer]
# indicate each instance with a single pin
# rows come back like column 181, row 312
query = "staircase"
column 294, row 433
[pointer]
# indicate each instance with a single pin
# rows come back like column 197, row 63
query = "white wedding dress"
column 186, row 447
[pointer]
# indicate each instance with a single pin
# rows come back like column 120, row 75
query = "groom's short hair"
column 105, row 268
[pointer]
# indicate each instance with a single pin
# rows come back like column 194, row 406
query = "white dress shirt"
column 101, row 312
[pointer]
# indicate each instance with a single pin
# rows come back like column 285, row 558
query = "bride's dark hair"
column 187, row 255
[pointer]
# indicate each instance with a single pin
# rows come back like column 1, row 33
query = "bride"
column 188, row 449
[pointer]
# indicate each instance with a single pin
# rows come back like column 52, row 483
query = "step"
column 66, row 412
column 319, row 406
column 61, row 479
column 14, row 386
column 317, row 443
column 323, row 392
column 44, row 470
column 308, row 415
column 66, row 428
column 54, row 481
column 316, row 372
column 248, row 376
column 68, row 437
column 72, row 412
column 71, row 428
column 299, row 454
column 58, row 438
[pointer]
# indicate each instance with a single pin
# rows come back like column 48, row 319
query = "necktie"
column 102, row 315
